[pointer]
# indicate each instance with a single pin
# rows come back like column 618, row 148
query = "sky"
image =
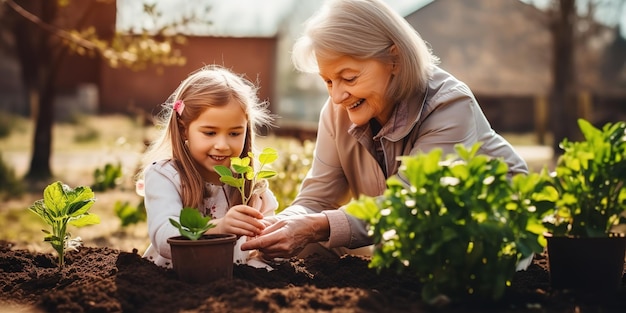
column 258, row 17
column 233, row 17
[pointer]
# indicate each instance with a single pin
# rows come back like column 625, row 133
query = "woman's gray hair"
column 366, row 29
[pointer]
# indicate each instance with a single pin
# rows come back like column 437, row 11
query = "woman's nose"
column 339, row 95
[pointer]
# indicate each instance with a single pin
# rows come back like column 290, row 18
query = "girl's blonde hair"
column 210, row 86
column 367, row 29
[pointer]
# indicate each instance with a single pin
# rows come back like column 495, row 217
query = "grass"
column 90, row 142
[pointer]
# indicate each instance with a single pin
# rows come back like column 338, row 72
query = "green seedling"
column 60, row 206
column 192, row 224
column 243, row 171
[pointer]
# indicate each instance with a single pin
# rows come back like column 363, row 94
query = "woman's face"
column 358, row 86
column 218, row 134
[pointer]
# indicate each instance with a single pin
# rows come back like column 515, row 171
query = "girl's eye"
column 235, row 134
column 209, row 133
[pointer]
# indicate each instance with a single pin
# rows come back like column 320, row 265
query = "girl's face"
column 358, row 86
column 214, row 137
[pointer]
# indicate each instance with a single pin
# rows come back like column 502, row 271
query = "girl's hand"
column 241, row 220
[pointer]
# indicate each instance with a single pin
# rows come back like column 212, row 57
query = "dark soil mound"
column 107, row 280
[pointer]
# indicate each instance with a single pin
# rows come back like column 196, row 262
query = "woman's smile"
column 356, row 104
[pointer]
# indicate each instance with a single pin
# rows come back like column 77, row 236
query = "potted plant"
column 586, row 229
column 460, row 223
column 192, row 249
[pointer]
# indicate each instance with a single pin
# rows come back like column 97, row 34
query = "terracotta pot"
column 204, row 260
column 591, row 264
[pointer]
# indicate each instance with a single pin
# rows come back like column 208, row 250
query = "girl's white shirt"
column 162, row 197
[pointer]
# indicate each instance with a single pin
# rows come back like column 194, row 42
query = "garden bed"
column 100, row 279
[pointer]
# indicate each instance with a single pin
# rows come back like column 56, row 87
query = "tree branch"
column 50, row 28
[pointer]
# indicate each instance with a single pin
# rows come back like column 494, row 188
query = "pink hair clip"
column 179, row 106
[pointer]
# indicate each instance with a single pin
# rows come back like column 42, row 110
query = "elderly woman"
column 387, row 98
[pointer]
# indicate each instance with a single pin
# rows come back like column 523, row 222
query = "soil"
column 101, row 279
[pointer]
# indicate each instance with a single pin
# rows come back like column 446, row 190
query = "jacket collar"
column 403, row 119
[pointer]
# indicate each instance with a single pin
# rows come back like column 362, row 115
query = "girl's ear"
column 182, row 130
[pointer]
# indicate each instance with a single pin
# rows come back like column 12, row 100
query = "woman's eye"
column 350, row 79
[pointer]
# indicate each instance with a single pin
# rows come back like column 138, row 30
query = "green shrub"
column 129, row 214
column 107, row 177
column 10, row 185
column 459, row 223
column 590, row 177
column 292, row 166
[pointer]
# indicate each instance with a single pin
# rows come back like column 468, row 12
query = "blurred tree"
column 42, row 40
column 571, row 29
column 562, row 117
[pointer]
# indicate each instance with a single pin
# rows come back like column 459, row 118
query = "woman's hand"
column 241, row 220
column 287, row 236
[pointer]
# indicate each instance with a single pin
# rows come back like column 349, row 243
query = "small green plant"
column 192, row 224
column 10, row 185
column 461, row 224
column 242, row 167
column 590, row 177
column 129, row 214
column 61, row 205
column 107, row 177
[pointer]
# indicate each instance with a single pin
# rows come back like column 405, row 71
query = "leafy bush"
column 10, row 185
column 5, row 124
column 590, row 177
column 107, row 177
column 292, row 166
column 459, row 223
column 129, row 214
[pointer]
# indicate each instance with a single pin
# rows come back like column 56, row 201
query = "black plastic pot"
column 204, row 260
column 589, row 264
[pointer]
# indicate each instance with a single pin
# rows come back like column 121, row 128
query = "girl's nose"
column 221, row 143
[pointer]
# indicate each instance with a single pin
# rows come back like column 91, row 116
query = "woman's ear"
column 395, row 59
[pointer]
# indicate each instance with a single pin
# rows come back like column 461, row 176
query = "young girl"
column 211, row 117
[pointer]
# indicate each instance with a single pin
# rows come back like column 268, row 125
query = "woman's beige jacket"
column 344, row 167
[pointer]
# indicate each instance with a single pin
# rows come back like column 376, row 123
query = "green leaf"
column 85, row 220
column 175, row 223
column 232, row 181
column 222, row 170
column 192, row 224
column 240, row 162
column 364, row 208
column 55, row 199
column 241, row 169
column 266, row 174
column 268, row 156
